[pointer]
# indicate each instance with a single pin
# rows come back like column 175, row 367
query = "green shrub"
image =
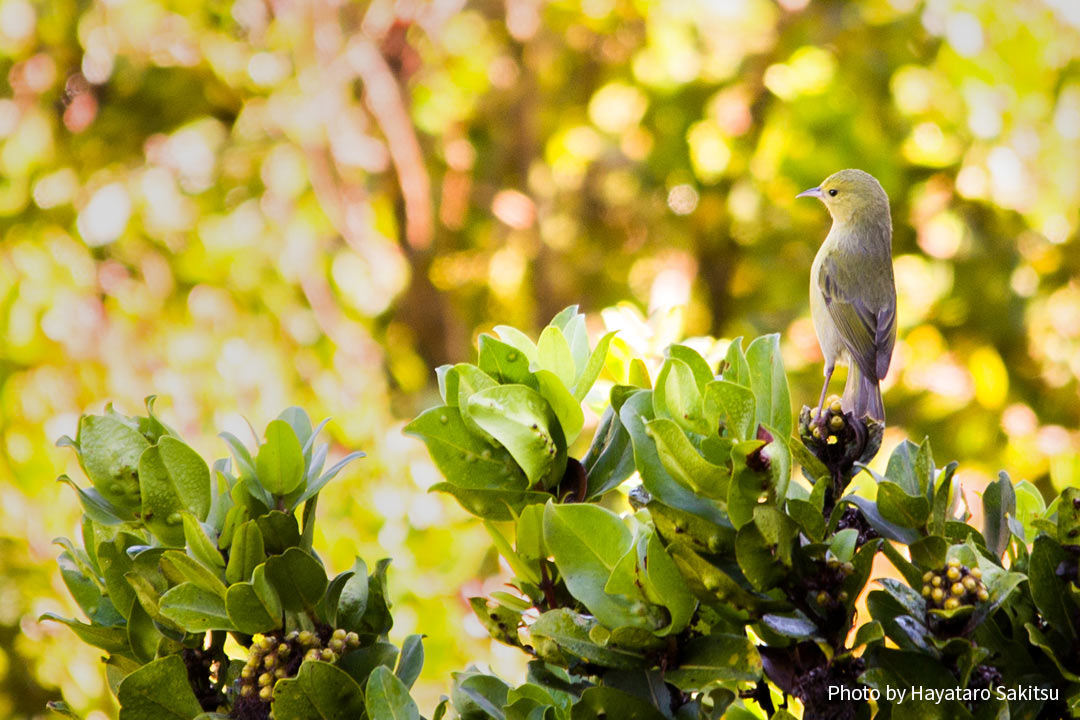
column 177, row 558
column 730, row 589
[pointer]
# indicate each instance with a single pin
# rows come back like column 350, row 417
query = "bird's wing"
column 868, row 332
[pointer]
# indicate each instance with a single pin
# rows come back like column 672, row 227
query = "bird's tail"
column 862, row 396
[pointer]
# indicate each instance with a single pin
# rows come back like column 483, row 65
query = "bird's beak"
column 812, row 192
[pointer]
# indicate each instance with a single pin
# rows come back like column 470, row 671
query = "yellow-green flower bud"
column 952, row 604
column 953, row 562
column 836, row 422
column 926, row 590
column 327, row 655
column 266, row 678
column 957, row 589
column 823, row 598
column 246, row 690
column 266, row 693
column 937, row 594
column 953, row 574
column 983, row 595
column 936, row 581
column 970, row 583
column 352, row 640
column 976, row 573
column 927, row 576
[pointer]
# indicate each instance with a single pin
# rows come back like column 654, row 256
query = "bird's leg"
column 820, row 419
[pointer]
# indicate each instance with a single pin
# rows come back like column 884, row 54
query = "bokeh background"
column 242, row 205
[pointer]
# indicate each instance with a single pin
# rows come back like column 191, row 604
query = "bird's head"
column 850, row 194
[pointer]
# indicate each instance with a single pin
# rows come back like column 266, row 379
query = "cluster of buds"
column 830, row 578
column 954, row 586
column 829, row 426
column 839, row 440
column 273, row 657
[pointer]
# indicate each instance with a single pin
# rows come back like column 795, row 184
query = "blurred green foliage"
column 246, row 205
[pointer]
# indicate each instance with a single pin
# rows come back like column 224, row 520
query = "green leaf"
column 885, row 528
column 387, row 697
column 195, row 609
column 179, row 568
column 674, row 524
column 571, row 632
column 664, row 585
column 111, row 639
column 713, row 659
column 96, row 506
column 298, row 578
column 902, row 468
column 244, row 464
column 867, row 633
column 1047, row 589
column 157, row 691
column 587, row 542
column 199, row 544
column 711, row 584
column 172, row 480
column 567, row 408
column 769, row 384
column 553, row 353
column 245, row 553
column 930, row 551
column 500, row 622
column 635, row 412
column 677, row 397
column 353, row 598
column 896, row 506
column 523, row 421
column 999, row 504
column 601, row 703
column 763, row 547
column 809, row 518
column 254, row 606
column 843, row 544
column 465, row 459
column 320, row 691
column 109, row 452
column 492, row 503
column 796, row 626
column 478, row 695
column 143, row 636
column 592, row 368
column 411, row 660
column 115, row 565
column 736, row 368
column 280, row 531
column 280, row 460
column 505, row 363
column 943, row 497
column 734, row 406
column 684, row 463
column 610, row 458
column 517, row 339
column 703, row 374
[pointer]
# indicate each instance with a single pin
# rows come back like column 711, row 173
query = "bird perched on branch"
column 852, row 291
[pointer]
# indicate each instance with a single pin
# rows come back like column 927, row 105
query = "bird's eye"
column 833, row 192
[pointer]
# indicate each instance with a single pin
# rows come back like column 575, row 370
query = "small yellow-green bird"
column 852, row 291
